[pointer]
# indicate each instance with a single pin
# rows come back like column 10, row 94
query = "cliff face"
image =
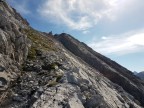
column 39, row 70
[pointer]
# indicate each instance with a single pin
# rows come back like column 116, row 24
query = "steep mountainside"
column 39, row 70
column 107, row 67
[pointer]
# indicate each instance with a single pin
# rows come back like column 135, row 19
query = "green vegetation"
column 56, row 81
column 88, row 95
column 38, row 42
column 53, row 66
column 52, row 84
column 32, row 53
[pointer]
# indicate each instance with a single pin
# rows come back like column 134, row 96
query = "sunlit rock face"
column 40, row 70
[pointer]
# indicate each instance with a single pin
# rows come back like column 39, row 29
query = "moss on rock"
column 39, row 41
column 32, row 53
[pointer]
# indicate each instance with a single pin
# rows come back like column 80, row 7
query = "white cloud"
column 104, row 37
column 20, row 6
column 123, row 44
column 81, row 14
column 85, row 32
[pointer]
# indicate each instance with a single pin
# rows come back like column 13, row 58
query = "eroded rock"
column 40, row 72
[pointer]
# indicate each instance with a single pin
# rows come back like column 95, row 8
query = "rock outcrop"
column 13, row 44
column 39, row 70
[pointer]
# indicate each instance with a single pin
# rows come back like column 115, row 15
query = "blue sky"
column 114, row 28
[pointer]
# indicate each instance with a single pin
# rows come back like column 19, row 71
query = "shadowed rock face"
column 39, row 71
column 3, row 82
column 140, row 75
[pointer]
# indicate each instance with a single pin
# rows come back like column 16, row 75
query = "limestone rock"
column 39, row 70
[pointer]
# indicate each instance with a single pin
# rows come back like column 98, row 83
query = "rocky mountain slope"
column 39, row 70
column 135, row 72
column 140, row 75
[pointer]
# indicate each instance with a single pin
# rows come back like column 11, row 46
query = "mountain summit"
column 41, row 70
column 140, row 75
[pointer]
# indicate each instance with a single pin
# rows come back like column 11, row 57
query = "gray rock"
column 95, row 102
column 32, row 67
column 62, row 72
column 72, row 79
column 18, row 99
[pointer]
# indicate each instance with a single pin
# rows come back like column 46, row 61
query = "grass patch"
column 53, row 66
column 52, row 84
column 56, row 81
column 39, row 41
column 32, row 53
